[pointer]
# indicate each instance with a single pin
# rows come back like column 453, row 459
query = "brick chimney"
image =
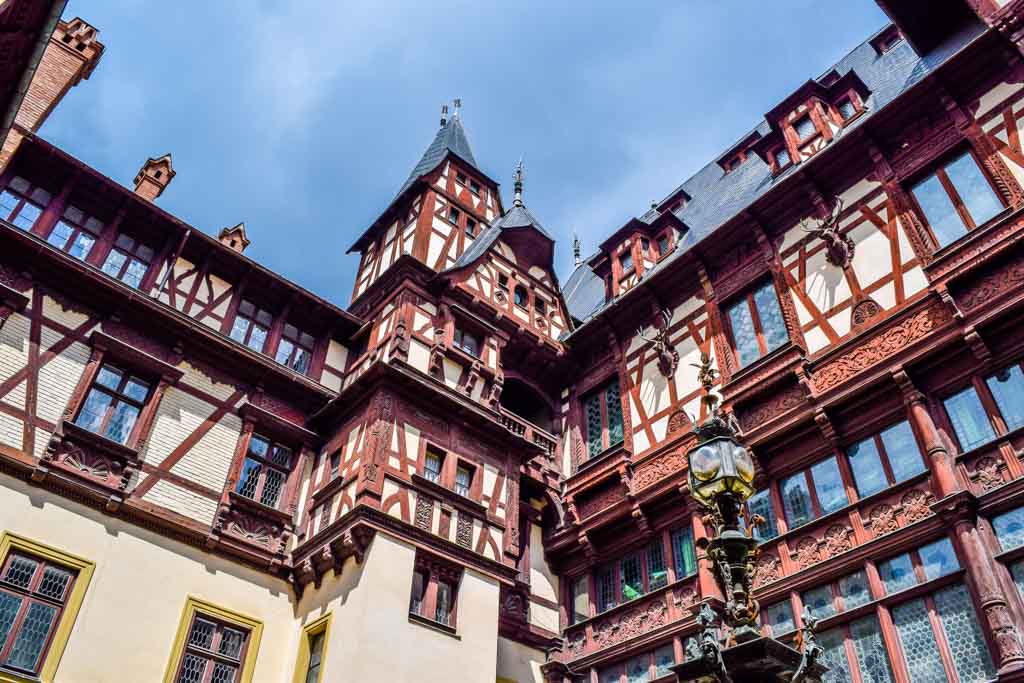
column 70, row 57
column 234, row 237
column 154, row 176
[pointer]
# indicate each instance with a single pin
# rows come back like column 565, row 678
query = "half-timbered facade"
column 476, row 472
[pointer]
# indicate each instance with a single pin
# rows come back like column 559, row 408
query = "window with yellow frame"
column 213, row 644
column 41, row 591
column 313, row 651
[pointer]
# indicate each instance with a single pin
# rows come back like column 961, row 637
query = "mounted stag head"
column 838, row 247
column 668, row 357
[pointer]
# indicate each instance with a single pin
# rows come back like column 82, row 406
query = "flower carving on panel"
column 464, row 531
column 685, row 598
column 882, row 520
column 424, row 512
column 631, row 623
column 987, row 473
column 767, row 570
column 836, row 540
column 91, row 464
column 657, row 469
column 916, row 504
column 678, row 422
column 601, row 500
column 577, row 643
column 776, row 404
column 806, row 553
column 995, row 283
column 864, row 312
column 251, row 530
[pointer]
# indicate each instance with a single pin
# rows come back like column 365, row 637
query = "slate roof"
column 516, row 218
column 716, row 197
column 450, row 137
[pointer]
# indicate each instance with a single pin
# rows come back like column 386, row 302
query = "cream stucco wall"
column 133, row 605
column 372, row 638
column 518, row 663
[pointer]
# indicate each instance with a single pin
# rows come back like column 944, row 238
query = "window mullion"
column 815, row 503
column 851, row 655
column 884, row 457
column 940, row 639
column 5, row 648
column 755, row 319
column 954, row 196
column 606, row 437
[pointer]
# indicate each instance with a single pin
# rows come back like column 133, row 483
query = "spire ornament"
column 577, row 249
column 518, row 183
column 444, row 115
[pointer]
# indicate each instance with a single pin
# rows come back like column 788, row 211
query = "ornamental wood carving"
column 836, row 540
column 631, row 623
column 882, row 520
column 987, row 474
column 767, row 570
column 678, row 423
column 13, row 279
column 806, row 553
column 883, row 345
column 464, row 531
column 424, row 518
column 1006, row 277
column 775, row 404
column 380, row 435
column 600, row 500
column 916, row 505
column 658, row 468
column 864, row 312
column 577, row 643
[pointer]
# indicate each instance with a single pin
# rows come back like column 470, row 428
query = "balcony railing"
column 527, row 430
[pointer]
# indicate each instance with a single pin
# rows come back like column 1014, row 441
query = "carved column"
column 380, row 418
column 770, row 254
column 938, row 457
column 705, row 573
column 1001, row 622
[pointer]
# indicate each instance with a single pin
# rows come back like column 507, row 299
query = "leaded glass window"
column 113, row 404
column 21, row 204
column 970, row 422
column 966, row 643
column 603, row 414
column 683, row 555
column 606, row 589
column 918, row 641
column 1007, row 387
column 664, row 659
column 638, row 669
column 956, row 198
column 872, row 658
column 251, row 326
column 853, row 590
column 757, row 324
column 820, row 601
column 295, row 349
column 938, row 559
column 213, row 652
column 804, row 127
column 779, row 617
column 463, row 480
column 632, row 579
column 897, row 573
column 128, row 261
column 75, row 233
column 264, row 471
column 833, row 642
column 761, row 504
column 316, row 653
column 657, row 575
column 33, row 593
column 1009, row 528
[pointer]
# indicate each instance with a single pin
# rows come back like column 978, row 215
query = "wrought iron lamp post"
column 721, row 479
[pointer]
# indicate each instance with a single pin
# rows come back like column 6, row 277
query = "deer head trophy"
column 668, row 357
column 838, row 247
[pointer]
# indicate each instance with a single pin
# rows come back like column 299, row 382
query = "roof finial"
column 577, row 248
column 518, row 186
column 654, row 204
column 456, row 106
column 444, row 115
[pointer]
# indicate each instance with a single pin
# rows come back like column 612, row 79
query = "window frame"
column 748, row 298
column 884, row 458
column 60, row 633
column 816, row 507
column 435, row 573
column 774, row 154
column 450, row 464
column 265, row 463
column 601, row 389
column 117, row 398
column 131, row 256
column 253, row 322
column 195, row 606
column 318, row 627
column 937, row 167
column 988, row 405
column 25, row 197
column 298, row 344
column 77, row 227
column 663, row 539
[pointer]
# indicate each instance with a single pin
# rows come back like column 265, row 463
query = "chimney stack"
column 154, row 176
column 70, row 57
column 234, row 238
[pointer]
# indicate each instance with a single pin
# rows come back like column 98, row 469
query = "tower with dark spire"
column 438, row 212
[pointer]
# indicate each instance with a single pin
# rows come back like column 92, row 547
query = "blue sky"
column 303, row 118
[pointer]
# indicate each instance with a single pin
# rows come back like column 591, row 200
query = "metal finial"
column 444, row 115
column 577, row 248
column 654, row 204
column 456, row 106
column 518, row 184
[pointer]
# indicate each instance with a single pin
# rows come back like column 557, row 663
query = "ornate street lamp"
column 721, row 478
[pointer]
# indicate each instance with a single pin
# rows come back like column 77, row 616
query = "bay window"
column 21, row 203
column 251, row 326
column 295, row 349
column 884, row 459
column 955, row 198
column 637, row 573
column 602, row 409
column 756, row 323
column 812, row 493
column 128, row 261
column 75, row 233
column 264, row 472
column 113, row 404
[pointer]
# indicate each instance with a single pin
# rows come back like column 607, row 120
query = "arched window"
column 522, row 299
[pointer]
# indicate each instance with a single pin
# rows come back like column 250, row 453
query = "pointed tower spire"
column 518, row 186
column 456, row 106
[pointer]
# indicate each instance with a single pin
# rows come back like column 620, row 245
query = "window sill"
column 603, row 455
column 10, row 676
column 258, row 508
column 433, row 625
column 468, row 505
column 657, row 592
column 75, row 432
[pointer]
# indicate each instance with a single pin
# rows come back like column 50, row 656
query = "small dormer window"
column 474, row 187
column 663, row 244
column 804, row 127
column 626, row 261
column 453, row 216
column 782, row 160
column 522, row 298
column 847, row 109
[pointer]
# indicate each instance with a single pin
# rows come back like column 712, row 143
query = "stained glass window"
column 897, row 573
column 833, row 642
column 603, row 414
column 664, row 659
column 872, row 658
column 638, row 669
column 853, row 590
column 463, row 480
column 773, row 326
column 432, row 464
column 918, row 641
column 1009, row 528
column 938, row 558
column 970, row 422
column 1007, row 387
column 966, row 643
column 683, row 555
